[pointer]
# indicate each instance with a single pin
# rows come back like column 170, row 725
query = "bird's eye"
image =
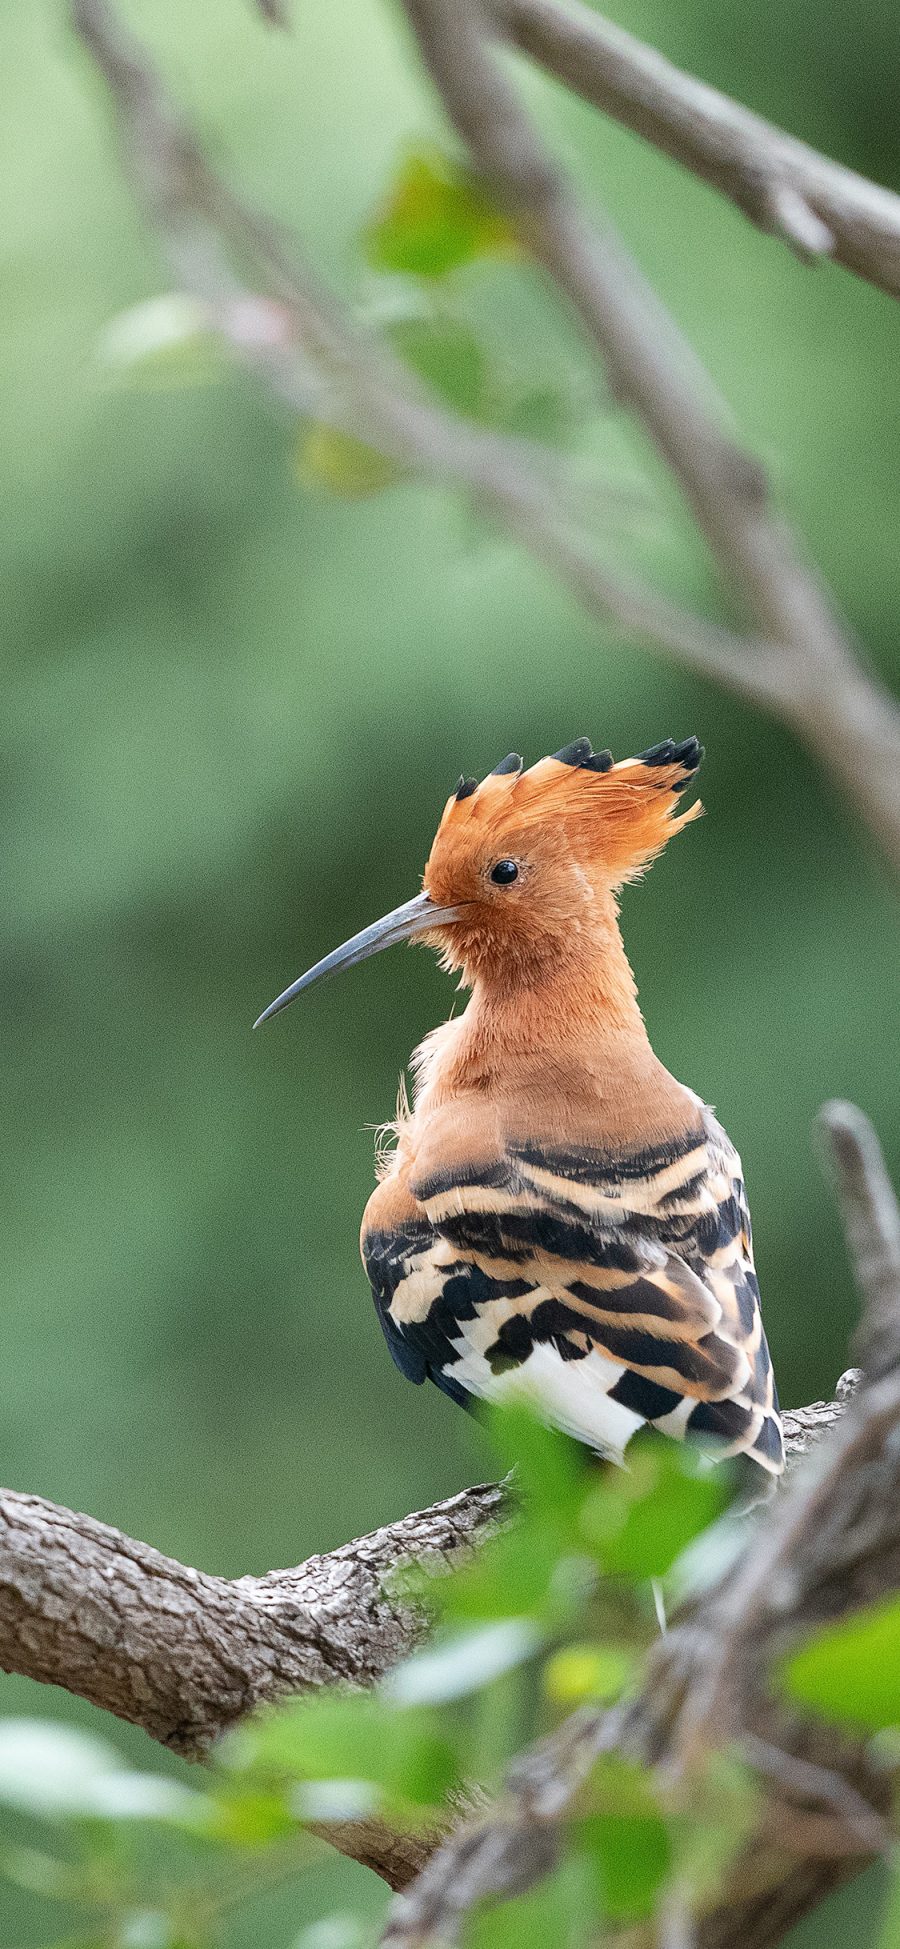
column 504, row 872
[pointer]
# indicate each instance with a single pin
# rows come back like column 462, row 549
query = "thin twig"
column 816, row 205
column 871, row 1219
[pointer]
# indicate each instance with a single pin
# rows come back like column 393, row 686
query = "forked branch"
column 796, row 659
column 651, row 370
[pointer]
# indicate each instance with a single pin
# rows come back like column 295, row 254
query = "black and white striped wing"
column 616, row 1291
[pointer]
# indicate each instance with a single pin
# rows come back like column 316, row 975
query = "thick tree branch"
column 314, row 358
column 817, row 206
column 185, row 1654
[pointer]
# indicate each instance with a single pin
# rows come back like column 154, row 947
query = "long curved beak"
column 418, row 916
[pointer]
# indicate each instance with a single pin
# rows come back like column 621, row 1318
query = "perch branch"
column 185, row 1654
column 782, row 185
column 314, row 359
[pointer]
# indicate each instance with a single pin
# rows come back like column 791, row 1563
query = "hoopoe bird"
column 560, row 1217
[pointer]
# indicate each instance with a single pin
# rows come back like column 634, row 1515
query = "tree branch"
column 871, row 1217
column 817, row 206
column 653, row 371
column 185, row 1655
column 314, row 358
column 317, row 361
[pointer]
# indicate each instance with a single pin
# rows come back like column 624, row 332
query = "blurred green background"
column 233, row 708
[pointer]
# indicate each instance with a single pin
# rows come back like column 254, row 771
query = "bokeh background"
column 233, row 707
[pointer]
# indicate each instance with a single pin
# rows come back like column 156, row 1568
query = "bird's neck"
column 575, row 1011
column 585, row 987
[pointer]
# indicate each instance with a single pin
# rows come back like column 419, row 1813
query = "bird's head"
column 525, row 866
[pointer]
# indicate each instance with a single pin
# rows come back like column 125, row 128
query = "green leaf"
column 462, row 1662
column 434, row 218
column 241, row 1816
column 42, row 1874
column 61, row 1774
column 559, row 1913
column 587, row 1671
column 349, row 1738
column 513, row 1575
column 543, row 413
column 538, row 1566
column 327, row 458
column 164, row 342
column 627, row 1840
column 850, row 1671
column 447, row 356
column 639, row 1519
column 551, row 1469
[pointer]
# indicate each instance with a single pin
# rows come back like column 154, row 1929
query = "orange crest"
column 612, row 819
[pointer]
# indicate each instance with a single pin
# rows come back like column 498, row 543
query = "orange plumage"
column 559, row 1216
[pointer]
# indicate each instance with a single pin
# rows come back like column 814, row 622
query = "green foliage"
column 434, row 219
column 558, row 1914
column 889, row 1935
column 370, row 1752
column 445, row 354
column 338, row 462
column 627, row 1838
column 850, row 1672
column 670, row 1496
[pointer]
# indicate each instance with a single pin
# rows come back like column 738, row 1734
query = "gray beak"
column 418, row 916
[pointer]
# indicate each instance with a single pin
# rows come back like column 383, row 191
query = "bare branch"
column 816, row 205
column 318, row 362
column 871, row 1217
column 315, row 360
column 833, row 705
